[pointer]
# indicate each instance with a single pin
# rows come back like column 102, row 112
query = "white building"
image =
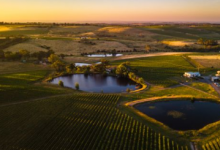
column 213, row 79
column 192, row 74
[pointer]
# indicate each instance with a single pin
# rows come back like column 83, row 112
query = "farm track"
column 151, row 55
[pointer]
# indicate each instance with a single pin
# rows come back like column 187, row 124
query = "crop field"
column 207, row 61
column 79, row 121
column 160, row 70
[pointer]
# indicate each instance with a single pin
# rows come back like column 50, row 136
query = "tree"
column 200, row 41
column 77, row 86
column 128, row 90
column 24, row 53
column 58, row 65
column 62, row 56
column 148, row 48
column 141, row 81
column 122, row 70
column 61, row 83
column 70, row 68
column 53, row 58
column 104, row 62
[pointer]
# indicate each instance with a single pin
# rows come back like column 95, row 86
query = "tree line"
column 24, row 55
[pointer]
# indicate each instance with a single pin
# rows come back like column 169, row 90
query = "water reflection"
column 182, row 114
column 97, row 83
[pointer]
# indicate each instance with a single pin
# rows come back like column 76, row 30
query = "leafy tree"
column 62, row 56
column 24, row 53
column 104, row 62
column 53, row 58
column 122, row 70
column 200, row 41
column 77, row 86
column 148, row 48
column 61, row 83
column 58, row 65
column 70, row 68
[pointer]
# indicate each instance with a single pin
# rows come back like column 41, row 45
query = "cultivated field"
column 79, row 121
column 207, row 60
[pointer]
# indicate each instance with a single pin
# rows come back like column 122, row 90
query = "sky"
column 110, row 10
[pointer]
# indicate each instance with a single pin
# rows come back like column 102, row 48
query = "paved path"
column 207, row 80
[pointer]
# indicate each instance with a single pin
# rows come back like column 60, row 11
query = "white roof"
column 193, row 72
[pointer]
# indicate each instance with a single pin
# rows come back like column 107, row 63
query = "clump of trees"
column 56, row 63
column 124, row 70
column 207, row 42
column 24, row 55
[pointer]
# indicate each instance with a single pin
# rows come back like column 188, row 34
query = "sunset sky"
column 110, row 10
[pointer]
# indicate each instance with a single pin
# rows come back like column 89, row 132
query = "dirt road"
column 150, row 55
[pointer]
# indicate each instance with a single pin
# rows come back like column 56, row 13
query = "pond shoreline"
column 191, row 134
column 105, row 83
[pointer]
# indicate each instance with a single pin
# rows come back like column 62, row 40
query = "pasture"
column 66, row 39
column 160, row 70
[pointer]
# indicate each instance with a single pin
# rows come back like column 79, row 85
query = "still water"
column 182, row 114
column 97, row 83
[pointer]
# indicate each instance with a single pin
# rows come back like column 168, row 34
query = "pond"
column 182, row 114
column 97, row 83
column 84, row 64
column 102, row 55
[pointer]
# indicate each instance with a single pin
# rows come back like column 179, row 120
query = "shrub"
column 128, row 90
column 77, row 86
column 61, row 83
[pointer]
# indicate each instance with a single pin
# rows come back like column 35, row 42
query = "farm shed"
column 192, row 74
column 213, row 79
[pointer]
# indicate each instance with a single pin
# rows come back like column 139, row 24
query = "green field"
column 160, row 70
column 16, row 87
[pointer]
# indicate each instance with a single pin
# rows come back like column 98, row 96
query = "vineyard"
column 78, row 121
column 212, row 145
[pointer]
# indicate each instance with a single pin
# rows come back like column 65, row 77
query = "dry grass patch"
column 26, row 46
column 208, row 60
column 177, row 43
column 3, row 28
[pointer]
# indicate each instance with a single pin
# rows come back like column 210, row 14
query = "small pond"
column 182, row 114
column 97, row 83
column 103, row 55
column 84, row 64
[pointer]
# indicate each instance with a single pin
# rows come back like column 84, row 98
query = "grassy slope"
column 159, row 70
column 17, row 87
